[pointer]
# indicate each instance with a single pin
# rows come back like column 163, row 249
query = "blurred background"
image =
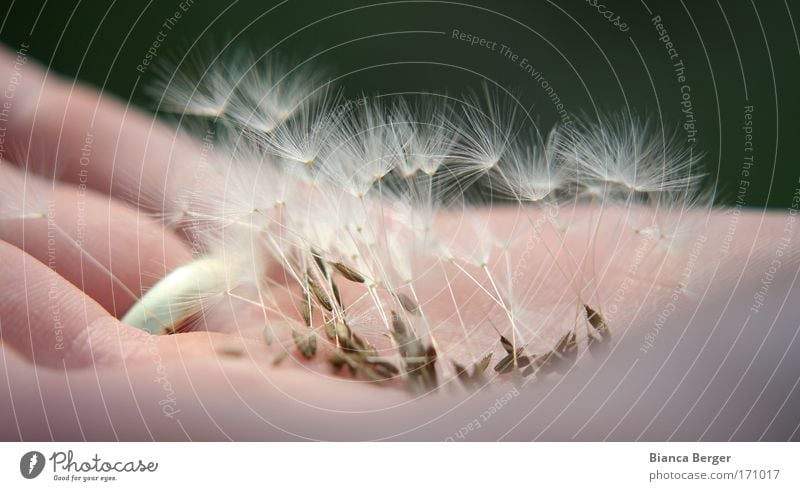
column 696, row 68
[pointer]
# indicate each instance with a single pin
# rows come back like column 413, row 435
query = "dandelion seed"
column 269, row 91
column 230, row 351
column 486, row 130
column 407, row 303
column 330, row 329
column 195, row 87
column 568, row 346
column 279, row 358
column 342, row 331
column 481, row 365
column 304, row 137
column 597, row 322
column 366, row 151
column 616, row 154
column 424, row 136
column 338, row 360
column 348, row 272
column 565, row 353
column 462, row 374
column 529, row 171
column 506, row 364
column 529, row 370
column 306, row 343
column 320, row 263
column 383, row 369
column 268, row 335
column 475, row 379
column 337, row 295
column 507, row 345
column 320, row 294
column 306, row 310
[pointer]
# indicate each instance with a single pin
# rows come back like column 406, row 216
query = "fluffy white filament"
column 306, row 181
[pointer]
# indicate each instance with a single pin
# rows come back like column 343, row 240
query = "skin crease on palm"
column 704, row 366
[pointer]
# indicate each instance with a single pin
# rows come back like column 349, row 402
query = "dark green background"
column 746, row 54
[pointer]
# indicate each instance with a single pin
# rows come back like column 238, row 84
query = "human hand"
column 74, row 371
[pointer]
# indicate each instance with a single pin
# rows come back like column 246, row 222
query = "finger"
column 106, row 249
column 51, row 322
column 624, row 399
column 99, row 141
column 163, row 398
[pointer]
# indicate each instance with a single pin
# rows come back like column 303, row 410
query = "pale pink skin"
column 109, row 381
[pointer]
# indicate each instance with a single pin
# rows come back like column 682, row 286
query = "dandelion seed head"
column 618, row 156
column 386, row 196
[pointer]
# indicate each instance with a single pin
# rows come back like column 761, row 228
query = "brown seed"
column 279, row 358
column 476, row 379
column 430, row 368
column 415, row 348
column 399, row 327
column 598, row 340
column 348, row 273
column 595, row 319
column 371, row 373
column 336, row 295
column 419, row 362
column 568, row 346
column 547, row 362
column 231, row 351
column 422, row 378
column 350, row 345
column 306, row 343
column 529, row 370
column 383, row 368
column 568, row 343
column 340, row 359
column 305, row 310
column 337, row 361
column 506, row 344
column 362, row 347
column 320, row 263
column 431, row 353
column 481, row 365
column 320, row 294
column 568, row 349
column 408, row 304
column 330, row 329
column 462, row 374
column 268, row 335
column 506, row 364
column 406, row 343
column 343, row 332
